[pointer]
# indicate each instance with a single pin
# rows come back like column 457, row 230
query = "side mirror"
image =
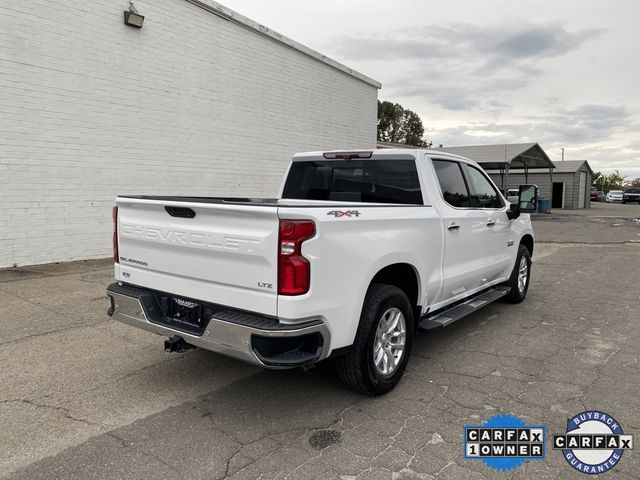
column 528, row 198
column 527, row 202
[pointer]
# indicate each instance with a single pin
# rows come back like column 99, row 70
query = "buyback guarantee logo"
column 594, row 442
column 504, row 442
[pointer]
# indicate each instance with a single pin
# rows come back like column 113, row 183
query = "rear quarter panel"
column 348, row 251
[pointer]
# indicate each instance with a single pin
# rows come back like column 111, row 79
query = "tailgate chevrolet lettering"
column 190, row 238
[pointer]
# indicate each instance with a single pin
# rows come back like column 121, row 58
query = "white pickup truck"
column 361, row 250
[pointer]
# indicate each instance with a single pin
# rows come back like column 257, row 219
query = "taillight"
column 116, row 256
column 294, row 272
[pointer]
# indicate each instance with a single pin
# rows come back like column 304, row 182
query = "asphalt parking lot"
column 85, row 397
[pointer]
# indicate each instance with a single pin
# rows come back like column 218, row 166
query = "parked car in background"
column 512, row 195
column 594, row 195
column 631, row 194
column 614, row 196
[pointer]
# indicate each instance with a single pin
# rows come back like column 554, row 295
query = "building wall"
column 586, row 192
column 192, row 103
column 543, row 181
column 570, row 189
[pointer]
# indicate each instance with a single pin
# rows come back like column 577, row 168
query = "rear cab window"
column 368, row 181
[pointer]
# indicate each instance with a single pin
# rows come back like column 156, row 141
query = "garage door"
column 582, row 189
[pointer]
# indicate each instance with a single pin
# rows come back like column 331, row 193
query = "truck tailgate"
column 224, row 254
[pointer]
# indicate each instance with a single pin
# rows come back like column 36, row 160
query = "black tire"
column 517, row 295
column 356, row 368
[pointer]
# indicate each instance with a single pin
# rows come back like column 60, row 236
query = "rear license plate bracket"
column 185, row 311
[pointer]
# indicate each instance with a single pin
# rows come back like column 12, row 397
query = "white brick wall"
column 190, row 104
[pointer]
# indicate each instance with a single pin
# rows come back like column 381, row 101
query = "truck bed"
column 224, row 250
column 257, row 202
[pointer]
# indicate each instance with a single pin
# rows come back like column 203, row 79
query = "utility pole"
column 562, row 153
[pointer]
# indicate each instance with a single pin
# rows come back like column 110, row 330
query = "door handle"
column 491, row 222
column 453, row 226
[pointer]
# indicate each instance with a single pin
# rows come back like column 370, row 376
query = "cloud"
column 502, row 76
column 598, row 117
column 542, row 41
column 462, row 41
column 457, row 67
column 582, row 124
column 389, row 48
column 597, row 133
column 458, row 93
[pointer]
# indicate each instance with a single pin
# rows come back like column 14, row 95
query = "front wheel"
column 380, row 352
column 520, row 276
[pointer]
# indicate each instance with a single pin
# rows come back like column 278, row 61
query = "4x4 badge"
column 344, row 213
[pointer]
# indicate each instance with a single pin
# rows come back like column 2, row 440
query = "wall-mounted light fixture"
column 132, row 17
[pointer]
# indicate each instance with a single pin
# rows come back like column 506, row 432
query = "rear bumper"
column 250, row 337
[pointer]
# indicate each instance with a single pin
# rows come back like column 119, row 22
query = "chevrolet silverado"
column 359, row 252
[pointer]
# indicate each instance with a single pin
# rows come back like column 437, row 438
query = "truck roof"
column 382, row 153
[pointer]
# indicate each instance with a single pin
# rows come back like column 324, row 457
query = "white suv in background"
column 614, row 196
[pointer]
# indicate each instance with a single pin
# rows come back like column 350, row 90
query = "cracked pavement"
column 86, row 397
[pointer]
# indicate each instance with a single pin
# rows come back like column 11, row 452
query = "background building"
column 199, row 101
column 565, row 184
column 570, row 185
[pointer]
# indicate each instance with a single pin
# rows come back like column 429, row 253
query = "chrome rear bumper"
column 254, row 339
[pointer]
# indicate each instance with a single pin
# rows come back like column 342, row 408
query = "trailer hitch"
column 176, row 344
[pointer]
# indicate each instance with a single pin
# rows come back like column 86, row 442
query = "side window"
column 452, row 184
column 483, row 194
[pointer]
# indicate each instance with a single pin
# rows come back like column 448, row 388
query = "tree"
column 635, row 182
column 399, row 125
column 596, row 179
column 390, row 117
column 413, row 128
column 613, row 181
column 616, row 181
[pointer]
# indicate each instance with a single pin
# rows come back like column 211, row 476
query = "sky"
column 563, row 73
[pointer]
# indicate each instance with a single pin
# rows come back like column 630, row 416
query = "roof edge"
column 536, row 144
column 245, row 22
column 530, row 144
column 588, row 166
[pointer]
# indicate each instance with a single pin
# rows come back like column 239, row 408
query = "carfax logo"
column 594, row 442
column 504, row 442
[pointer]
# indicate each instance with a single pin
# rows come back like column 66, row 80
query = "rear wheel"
column 379, row 355
column 520, row 276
